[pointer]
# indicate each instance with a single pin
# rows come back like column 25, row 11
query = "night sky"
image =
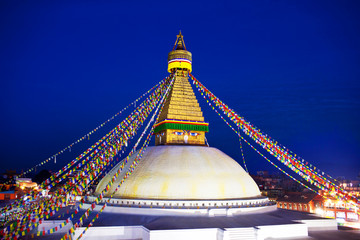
column 291, row 68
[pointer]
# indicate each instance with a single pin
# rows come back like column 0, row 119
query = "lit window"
column 351, row 215
column 330, row 214
column 340, row 214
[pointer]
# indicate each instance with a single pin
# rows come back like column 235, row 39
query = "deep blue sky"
column 292, row 68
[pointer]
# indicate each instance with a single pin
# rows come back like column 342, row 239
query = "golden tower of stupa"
column 181, row 120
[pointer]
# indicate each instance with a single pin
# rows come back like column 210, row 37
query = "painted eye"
column 194, row 134
column 178, row 133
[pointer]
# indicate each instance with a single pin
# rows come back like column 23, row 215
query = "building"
column 351, row 186
column 300, row 201
column 328, row 207
column 344, row 212
column 276, row 185
column 8, row 195
column 7, row 180
column 26, row 184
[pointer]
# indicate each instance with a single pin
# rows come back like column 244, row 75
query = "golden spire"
column 179, row 43
column 179, row 58
column 181, row 120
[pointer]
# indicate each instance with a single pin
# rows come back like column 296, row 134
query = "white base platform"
column 282, row 231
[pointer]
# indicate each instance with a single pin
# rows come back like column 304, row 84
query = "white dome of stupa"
column 179, row 172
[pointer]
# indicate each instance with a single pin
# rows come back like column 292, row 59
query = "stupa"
column 182, row 172
column 184, row 189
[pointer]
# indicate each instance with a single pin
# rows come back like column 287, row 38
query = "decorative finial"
column 179, row 43
column 179, row 58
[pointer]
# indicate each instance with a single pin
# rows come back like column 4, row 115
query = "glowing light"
column 319, row 211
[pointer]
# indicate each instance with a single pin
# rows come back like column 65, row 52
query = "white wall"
column 320, row 224
column 282, row 231
column 188, row 234
column 113, row 233
column 139, row 232
column 49, row 224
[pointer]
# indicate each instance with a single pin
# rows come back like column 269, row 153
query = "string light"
column 109, row 144
column 279, row 152
column 87, row 135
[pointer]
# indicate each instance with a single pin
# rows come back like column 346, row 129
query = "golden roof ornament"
column 179, row 58
column 179, row 43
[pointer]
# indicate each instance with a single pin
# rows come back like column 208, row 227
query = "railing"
column 180, row 54
column 190, row 204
